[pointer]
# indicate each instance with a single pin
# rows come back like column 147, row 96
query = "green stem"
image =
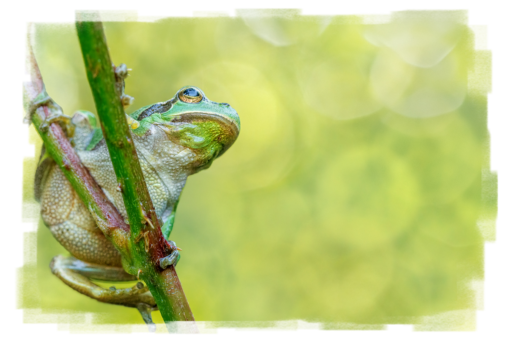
column 163, row 284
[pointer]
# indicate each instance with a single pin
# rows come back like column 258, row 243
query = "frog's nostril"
column 226, row 104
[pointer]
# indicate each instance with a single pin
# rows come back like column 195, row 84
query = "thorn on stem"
column 148, row 221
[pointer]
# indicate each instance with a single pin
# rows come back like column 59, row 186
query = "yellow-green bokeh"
column 354, row 191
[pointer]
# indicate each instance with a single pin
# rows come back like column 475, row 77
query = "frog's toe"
column 145, row 311
column 169, row 260
column 152, row 328
column 60, row 118
column 42, row 99
column 26, row 121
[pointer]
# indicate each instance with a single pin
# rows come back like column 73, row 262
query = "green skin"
column 173, row 139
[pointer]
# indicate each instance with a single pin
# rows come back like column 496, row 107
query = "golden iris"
column 190, row 95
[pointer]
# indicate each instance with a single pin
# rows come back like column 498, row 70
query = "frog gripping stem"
column 145, row 311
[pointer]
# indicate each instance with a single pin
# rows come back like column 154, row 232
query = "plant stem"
column 163, row 284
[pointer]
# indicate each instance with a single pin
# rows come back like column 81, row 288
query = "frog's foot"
column 60, row 118
column 57, row 116
column 40, row 100
column 145, row 310
column 76, row 274
column 171, row 259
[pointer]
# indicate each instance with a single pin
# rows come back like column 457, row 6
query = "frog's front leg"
column 77, row 274
column 166, row 229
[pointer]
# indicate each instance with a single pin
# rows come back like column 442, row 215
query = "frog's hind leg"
column 94, row 271
column 71, row 272
column 77, row 274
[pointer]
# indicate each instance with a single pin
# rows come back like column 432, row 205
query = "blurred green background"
column 357, row 192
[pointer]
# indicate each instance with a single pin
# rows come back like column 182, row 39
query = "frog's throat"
column 232, row 124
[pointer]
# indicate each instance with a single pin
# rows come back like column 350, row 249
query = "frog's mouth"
column 225, row 133
column 190, row 117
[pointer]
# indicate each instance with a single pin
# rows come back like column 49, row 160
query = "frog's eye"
column 190, row 95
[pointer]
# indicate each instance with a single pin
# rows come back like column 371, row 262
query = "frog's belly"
column 72, row 225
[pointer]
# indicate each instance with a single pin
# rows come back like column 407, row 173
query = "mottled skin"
column 173, row 139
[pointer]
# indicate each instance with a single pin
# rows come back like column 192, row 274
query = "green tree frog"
column 173, row 139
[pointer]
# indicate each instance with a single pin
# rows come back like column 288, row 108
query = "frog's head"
column 194, row 122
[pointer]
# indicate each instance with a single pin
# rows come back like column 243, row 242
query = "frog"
column 173, row 139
